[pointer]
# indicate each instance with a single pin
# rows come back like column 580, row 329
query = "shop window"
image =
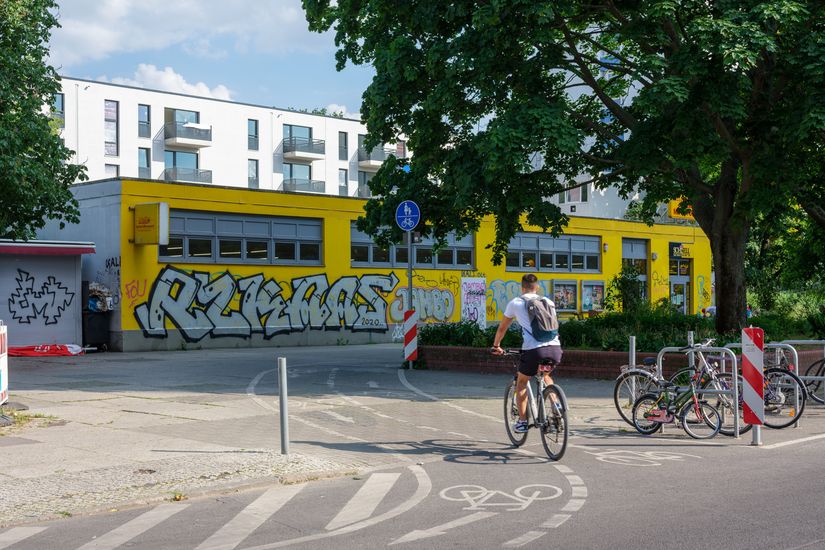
column 531, row 251
column 592, row 295
column 565, row 295
column 457, row 254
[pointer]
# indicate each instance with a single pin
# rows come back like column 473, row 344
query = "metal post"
column 632, row 352
column 282, row 397
column 757, row 436
column 691, row 358
column 409, row 277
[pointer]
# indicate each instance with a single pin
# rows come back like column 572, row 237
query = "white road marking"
column 250, row 518
column 403, row 378
column 372, row 384
column 573, row 505
column 443, row 528
column 363, row 504
column 465, row 436
column 563, row 469
column 555, row 521
column 579, row 491
column 574, row 480
column 794, row 441
column 135, row 527
column 526, row 538
column 430, row 428
column 16, row 534
column 341, row 417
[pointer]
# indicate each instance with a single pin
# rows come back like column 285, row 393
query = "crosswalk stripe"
column 250, row 518
column 17, row 534
column 362, row 505
column 135, row 527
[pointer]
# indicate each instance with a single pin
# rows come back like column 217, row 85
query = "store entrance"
column 680, row 284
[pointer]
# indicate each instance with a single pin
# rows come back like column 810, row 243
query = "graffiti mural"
column 434, row 304
column 48, row 302
column 501, row 292
column 201, row 305
column 474, row 300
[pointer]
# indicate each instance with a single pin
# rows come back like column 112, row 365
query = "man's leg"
column 521, row 395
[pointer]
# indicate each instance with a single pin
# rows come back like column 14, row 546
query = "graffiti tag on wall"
column 473, row 300
column 501, row 292
column 48, row 302
column 437, row 304
column 224, row 305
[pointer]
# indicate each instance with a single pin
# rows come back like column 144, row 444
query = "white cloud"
column 149, row 76
column 334, row 108
column 97, row 29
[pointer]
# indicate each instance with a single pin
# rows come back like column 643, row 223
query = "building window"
column 144, row 121
column 343, row 183
column 298, row 132
column 343, row 152
column 457, row 254
column 59, row 109
column 592, row 295
column 181, row 159
column 111, row 170
column 233, row 238
column 252, row 173
column 144, row 166
column 401, row 149
column 565, row 295
column 110, row 127
column 297, row 171
column 363, row 184
column 252, row 134
column 541, row 252
column 578, row 194
column 634, row 254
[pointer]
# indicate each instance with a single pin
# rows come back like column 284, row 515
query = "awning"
column 46, row 248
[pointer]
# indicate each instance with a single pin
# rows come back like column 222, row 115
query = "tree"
column 672, row 97
column 35, row 174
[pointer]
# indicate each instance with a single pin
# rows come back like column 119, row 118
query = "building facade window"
column 180, row 159
column 457, row 254
column 252, row 134
column 343, row 149
column 343, row 182
column 144, row 163
column 144, row 121
column 297, row 171
column 292, row 131
column 111, row 170
column 232, row 238
column 578, row 194
column 532, row 251
column 59, row 109
column 252, row 173
column 110, row 127
column 634, row 254
column 364, row 184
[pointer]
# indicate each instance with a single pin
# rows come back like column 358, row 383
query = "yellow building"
column 255, row 268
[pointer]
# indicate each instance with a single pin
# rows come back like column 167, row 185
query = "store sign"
column 152, row 223
column 673, row 209
column 680, row 250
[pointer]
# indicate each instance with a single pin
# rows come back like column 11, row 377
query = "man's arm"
column 502, row 330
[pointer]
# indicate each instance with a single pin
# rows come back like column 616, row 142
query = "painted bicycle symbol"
column 625, row 457
column 481, row 498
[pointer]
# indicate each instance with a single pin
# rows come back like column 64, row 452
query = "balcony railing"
column 144, row 129
column 252, row 143
column 311, row 186
column 304, row 145
column 144, row 172
column 173, row 130
column 177, row 173
column 379, row 154
column 364, row 191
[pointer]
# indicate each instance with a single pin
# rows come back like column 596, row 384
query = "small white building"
column 126, row 131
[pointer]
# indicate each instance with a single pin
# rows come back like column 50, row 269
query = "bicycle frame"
column 535, row 406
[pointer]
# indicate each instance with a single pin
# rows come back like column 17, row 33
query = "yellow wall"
column 438, row 290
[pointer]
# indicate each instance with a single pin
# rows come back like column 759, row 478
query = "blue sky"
column 253, row 51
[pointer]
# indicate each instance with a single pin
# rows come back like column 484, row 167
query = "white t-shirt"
column 517, row 310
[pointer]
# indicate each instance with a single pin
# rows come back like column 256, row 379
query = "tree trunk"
column 727, row 231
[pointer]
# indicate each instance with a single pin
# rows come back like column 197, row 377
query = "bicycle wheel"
column 511, row 415
column 781, row 388
column 629, row 387
column 682, row 377
column 554, row 432
column 816, row 369
column 724, row 403
column 641, row 408
column 700, row 420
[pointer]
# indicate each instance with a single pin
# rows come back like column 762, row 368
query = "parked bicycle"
column 546, row 410
column 697, row 417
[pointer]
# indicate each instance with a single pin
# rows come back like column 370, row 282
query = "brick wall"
column 574, row 364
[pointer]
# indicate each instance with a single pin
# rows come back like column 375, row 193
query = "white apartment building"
column 132, row 132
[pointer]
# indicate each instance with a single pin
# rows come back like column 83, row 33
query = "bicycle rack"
column 780, row 346
column 733, row 392
column 798, row 366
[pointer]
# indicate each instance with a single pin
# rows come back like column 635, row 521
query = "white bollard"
column 282, row 396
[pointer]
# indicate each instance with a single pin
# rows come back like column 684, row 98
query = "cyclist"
column 533, row 350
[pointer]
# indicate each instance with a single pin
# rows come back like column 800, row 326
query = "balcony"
column 304, row 186
column 364, row 192
column 194, row 175
column 144, row 172
column 372, row 160
column 298, row 148
column 187, row 134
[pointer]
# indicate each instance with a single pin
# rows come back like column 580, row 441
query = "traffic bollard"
column 282, row 395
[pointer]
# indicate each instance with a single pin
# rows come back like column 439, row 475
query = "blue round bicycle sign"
column 407, row 215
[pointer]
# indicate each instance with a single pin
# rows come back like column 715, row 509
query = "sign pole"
column 409, row 279
column 407, row 216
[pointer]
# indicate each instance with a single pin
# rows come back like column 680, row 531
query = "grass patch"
column 23, row 419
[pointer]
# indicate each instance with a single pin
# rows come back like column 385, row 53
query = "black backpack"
column 544, row 326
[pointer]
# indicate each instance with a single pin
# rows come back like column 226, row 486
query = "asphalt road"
column 443, row 474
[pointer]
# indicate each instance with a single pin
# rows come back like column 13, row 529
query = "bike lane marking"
column 16, row 534
column 793, row 442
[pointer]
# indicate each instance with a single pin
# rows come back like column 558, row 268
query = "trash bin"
column 95, row 322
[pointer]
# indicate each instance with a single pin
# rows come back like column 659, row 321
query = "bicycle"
column 633, row 382
column 698, row 418
column 817, row 368
column 546, row 410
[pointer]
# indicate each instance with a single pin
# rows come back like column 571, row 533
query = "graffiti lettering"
column 501, row 292
column 434, row 303
column 660, row 280
column 49, row 302
column 200, row 305
column 133, row 291
column 443, row 281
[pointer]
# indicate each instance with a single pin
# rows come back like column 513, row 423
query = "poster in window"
column 565, row 295
column 474, row 300
column 592, row 296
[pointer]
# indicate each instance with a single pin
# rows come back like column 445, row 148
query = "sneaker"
column 520, row 427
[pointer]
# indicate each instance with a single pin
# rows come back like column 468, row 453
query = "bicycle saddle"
column 649, row 361
column 666, row 384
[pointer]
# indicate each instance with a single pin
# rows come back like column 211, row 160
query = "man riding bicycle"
column 536, row 349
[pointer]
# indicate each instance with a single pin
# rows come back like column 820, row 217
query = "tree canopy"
column 508, row 101
column 35, row 172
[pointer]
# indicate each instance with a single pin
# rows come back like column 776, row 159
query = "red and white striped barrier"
column 410, row 335
column 753, row 345
column 4, row 363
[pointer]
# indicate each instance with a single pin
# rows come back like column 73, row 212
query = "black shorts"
column 531, row 358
